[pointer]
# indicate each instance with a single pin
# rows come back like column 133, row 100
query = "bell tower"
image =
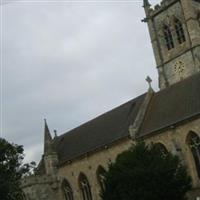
column 174, row 27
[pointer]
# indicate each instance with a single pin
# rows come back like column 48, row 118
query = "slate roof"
column 173, row 105
column 167, row 107
column 103, row 130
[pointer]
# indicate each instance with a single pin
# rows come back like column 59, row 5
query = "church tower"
column 174, row 27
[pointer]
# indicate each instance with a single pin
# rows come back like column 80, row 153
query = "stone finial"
column 149, row 81
column 146, row 3
column 55, row 133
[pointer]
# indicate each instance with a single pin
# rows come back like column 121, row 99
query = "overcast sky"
column 69, row 61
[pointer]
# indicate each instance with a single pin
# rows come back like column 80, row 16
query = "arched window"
column 161, row 147
column 168, row 37
column 179, row 31
column 101, row 177
column 85, row 187
column 193, row 141
column 67, row 190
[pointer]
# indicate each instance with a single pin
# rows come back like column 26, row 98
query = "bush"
column 146, row 173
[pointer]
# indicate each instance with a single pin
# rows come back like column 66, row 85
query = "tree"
column 12, row 170
column 146, row 173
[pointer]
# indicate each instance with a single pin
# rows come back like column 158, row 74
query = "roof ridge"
column 173, row 104
column 99, row 116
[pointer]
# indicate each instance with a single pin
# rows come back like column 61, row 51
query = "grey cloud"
column 69, row 64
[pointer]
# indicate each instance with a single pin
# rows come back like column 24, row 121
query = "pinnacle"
column 47, row 138
column 146, row 3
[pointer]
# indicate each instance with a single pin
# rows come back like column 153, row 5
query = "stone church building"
column 73, row 164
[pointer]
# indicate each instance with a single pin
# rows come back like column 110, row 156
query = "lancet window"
column 67, row 190
column 101, row 177
column 161, row 147
column 194, row 144
column 85, row 187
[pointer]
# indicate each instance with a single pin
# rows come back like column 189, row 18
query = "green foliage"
column 146, row 173
column 12, row 170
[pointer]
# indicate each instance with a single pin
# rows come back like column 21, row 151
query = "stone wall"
column 89, row 164
column 46, row 187
column 174, row 140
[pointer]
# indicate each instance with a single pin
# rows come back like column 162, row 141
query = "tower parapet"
column 44, row 187
column 160, row 7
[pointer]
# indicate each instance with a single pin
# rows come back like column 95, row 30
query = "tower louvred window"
column 179, row 31
column 168, row 37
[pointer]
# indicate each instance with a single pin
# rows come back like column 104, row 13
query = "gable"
column 172, row 105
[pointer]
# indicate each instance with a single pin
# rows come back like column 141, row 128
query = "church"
column 73, row 164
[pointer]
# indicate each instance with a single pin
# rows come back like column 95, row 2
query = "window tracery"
column 168, row 37
column 194, row 144
column 161, row 147
column 85, row 187
column 101, row 177
column 68, row 193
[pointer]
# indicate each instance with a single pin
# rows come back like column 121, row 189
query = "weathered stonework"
column 173, row 138
column 89, row 165
column 44, row 187
column 49, row 187
column 187, row 52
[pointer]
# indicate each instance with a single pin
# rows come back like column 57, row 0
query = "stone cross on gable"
column 149, row 81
